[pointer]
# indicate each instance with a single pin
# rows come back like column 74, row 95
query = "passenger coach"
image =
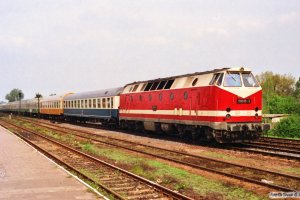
column 52, row 106
column 97, row 106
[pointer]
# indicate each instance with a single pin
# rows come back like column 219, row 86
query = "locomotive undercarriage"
column 235, row 133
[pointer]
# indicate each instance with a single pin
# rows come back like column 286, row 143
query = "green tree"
column 15, row 95
column 283, row 85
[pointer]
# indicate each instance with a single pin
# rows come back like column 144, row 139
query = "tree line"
column 281, row 95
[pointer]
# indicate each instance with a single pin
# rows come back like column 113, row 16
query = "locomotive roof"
column 95, row 94
column 178, row 76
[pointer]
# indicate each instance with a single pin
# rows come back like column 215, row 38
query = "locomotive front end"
column 240, row 101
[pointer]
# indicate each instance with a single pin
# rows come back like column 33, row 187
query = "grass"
column 292, row 170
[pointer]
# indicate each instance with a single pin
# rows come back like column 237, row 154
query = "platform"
column 27, row 174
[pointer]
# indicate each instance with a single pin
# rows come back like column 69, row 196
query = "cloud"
column 9, row 41
column 289, row 18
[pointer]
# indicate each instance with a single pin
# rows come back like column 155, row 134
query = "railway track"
column 117, row 182
column 273, row 180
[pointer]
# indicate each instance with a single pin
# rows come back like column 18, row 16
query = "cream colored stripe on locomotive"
column 209, row 113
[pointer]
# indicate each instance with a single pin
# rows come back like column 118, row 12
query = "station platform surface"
column 27, row 174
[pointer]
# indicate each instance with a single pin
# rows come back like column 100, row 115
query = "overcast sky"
column 57, row 46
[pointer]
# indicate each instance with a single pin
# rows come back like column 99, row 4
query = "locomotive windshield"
column 249, row 80
column 232, row 79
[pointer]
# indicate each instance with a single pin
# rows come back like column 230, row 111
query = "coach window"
column 148, row 86
column 58, row 104
column 94, row 103
column 99, row 103
column 112, row 102
column 108, row 102
column 82, row 104
column 90, row 103
column 141, row 98
column 78, row 103
column 86, row 103
column 103, row 103
column 169, row 84
column 65, row 104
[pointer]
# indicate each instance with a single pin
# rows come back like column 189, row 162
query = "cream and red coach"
column 224, row 104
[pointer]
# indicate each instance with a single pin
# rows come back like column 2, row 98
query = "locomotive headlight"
column 228, row 116
column 228, row 109
column 256, row 116
column 256, row 109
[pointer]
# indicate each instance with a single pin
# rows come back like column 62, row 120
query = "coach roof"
column 95, row 94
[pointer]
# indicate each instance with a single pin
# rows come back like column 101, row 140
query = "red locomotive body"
column 223, row 104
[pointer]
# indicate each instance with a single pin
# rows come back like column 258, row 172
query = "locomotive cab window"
column 249, row 80
column 214, row 79
column 232, row 79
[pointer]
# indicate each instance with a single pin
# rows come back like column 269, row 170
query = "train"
column 222, row 105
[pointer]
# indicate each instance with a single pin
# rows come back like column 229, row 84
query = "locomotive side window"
column 148, row 86
column 143, row 87
column 214, row 79
column 219, row 82
column 169, row 84
column 195, row 81
column 161, row 85
column 233, row 79
column 154, row 86
column 249, row 80
column 135, row 88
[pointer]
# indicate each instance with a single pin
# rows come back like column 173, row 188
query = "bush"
column 289, row 127
column 276, row 104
